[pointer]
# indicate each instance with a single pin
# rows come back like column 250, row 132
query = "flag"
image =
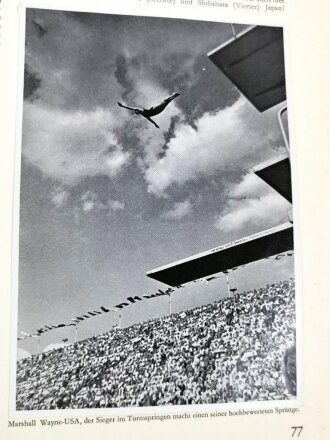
column 104, row 309
column 121, row 305
column 149, row 296
column 133, row 300
column 61, row 325
column 65, row 339
column 86, row 316
column 91, row 313
column 98, row 313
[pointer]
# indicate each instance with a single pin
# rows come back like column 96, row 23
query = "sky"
column 106, row 196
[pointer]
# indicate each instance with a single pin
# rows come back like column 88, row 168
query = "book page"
column 164, row 220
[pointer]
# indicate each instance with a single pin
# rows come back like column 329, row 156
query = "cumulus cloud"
column 252, row 202
column 179, row 210
column 65, row 59
column 91, row 202
column 115, row 205
column 70, row 145
column 249, row 186
column 91, row 74
column 226, row 139
column 87, row 62
column 60, row 198
column 83, row 59
column 148, row 94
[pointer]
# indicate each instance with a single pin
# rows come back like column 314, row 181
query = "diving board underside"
column 277, row 174
column 254, row 63
column 240, row 252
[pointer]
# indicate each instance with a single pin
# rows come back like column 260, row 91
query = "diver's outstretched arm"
column 150, row 120
column 128, row 108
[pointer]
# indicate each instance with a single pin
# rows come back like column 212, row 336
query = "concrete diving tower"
column 237, row 253
column 254, row 62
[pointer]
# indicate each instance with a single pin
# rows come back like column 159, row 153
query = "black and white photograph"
column 156, row 261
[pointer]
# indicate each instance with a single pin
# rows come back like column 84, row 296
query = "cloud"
column 65, row 59
column 249, row 186
column 151, row 139
column 115, row 205
column 83, row 59
column 91, row 61
column 252, row 202
column 60, row 198
column 70, row 145
column 31, row 83
column 231, row 138
column 180, row 210
column 91, row 202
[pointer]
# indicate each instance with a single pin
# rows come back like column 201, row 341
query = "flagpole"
column 76, row 333
column 38, row 345
column 227, row 281
column 119, row 320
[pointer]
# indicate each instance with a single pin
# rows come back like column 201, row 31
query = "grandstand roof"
column 254, row 62
column 245, row 250
column 277, row 173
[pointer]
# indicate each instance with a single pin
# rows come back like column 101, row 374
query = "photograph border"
column 166, row 409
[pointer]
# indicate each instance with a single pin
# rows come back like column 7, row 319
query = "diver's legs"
column 159, row 108
column 150, row 120
column 167, row 100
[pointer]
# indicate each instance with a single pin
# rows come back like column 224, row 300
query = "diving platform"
column 277, row 174
column 253, row 60
column 228, row 256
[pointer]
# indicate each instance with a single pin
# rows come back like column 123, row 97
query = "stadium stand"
column 228, row 351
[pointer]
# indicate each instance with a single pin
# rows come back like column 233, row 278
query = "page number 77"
column 296, row 431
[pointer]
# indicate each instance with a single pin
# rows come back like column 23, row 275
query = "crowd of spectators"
column 227, row 351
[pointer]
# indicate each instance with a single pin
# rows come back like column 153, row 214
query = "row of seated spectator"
column 227, row 351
